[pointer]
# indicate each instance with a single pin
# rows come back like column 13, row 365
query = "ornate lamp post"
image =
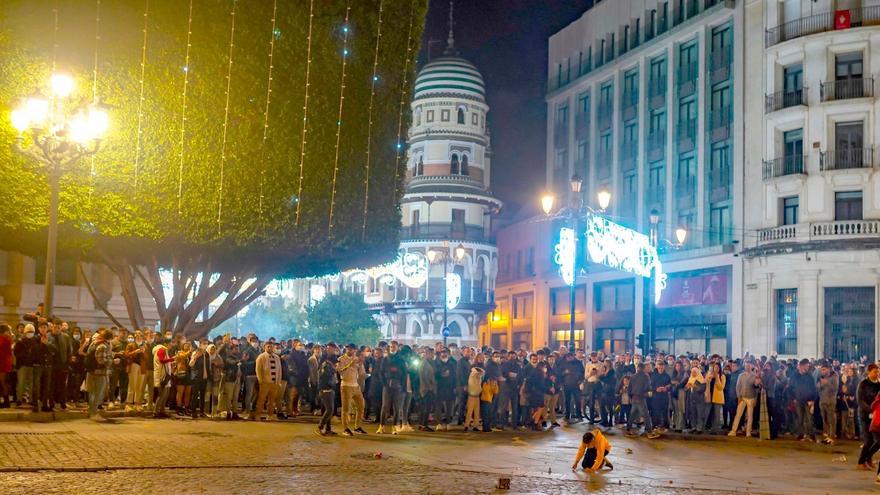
column 573, row 215
column 443, row 257
column 61, row 131
column 654, row 236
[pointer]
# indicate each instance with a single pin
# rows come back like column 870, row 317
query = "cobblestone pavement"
column 135, row 455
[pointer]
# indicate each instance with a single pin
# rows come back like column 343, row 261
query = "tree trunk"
column 193, row 290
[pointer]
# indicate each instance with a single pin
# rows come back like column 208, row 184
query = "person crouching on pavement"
column 594, row 449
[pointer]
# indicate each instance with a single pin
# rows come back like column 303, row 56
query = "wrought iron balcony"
column 787, row 165
column 785, row 99
column 846, row 89
column 656, row 145
column 819, row 23
column 847, row 158
column 445, row 231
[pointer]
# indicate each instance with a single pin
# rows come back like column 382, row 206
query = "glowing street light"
column 681, row 235
column 547, row 201
column 442, row 256
column 604, row 197
column 61, row 132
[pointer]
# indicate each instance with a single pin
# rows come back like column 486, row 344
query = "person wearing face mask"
column 298, row 373
column 24, row 365
column 444, row 372
column 162, row 376
column 43, row 356
column 200, row 372
column 63, row 344
column 149, row 343
column 249, row 372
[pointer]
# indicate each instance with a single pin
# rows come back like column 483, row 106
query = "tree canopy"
column 341, row 318
column 154, row 189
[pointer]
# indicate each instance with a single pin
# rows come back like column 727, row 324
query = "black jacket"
column 446, row 379
column 865, row 394
column 572, row 374
column 393, row 371
column 803, row 387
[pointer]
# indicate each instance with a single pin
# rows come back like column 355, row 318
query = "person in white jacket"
column 474, row 387
column 268, row 367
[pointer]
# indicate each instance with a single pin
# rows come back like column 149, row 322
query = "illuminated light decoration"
column 565, row 253
column 618, row 247
column 317, row 293
column 411, row 269
column 453, row 290
column 283, row 288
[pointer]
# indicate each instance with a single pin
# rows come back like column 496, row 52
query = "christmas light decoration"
column 183, row 109
column 273, row 35
column 339, row 116
column 140, row 110
column 302, row 152
column 564, row 255
column 226, row 118
column 453, row 290
column 403, row 99
column 374, row 79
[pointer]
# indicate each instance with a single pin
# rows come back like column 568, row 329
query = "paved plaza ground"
column 136, row 455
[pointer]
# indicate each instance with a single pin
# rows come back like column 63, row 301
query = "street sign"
column 445, row 332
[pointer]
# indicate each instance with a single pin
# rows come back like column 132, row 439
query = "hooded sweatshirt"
column 474, row 383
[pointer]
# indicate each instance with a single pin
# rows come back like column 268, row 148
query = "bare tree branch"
column 98, row 302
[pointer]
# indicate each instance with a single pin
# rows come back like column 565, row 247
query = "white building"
column 812, row 265
column 645, row 100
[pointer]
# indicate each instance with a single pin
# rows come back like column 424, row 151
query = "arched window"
column 420, row 167
column 454, row 329
column 461, row 116
column 419, row 116
column 455, row 166
column 464, row 165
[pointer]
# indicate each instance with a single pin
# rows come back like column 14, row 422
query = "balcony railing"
column 846, row 158
column 785, row 99
column 787, row 165
column 686, row 132
column 656, row 195
column 819, row 23
column 687, row 73
column 656, row 145
column 804, row 232
column 604, row 114
column 629, row 149
column 846, row 89
column 441, row 231
column 719, row 118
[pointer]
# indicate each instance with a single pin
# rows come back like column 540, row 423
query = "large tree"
column 223, row 189
column 341, row 318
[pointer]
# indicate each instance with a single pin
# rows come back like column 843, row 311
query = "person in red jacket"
column 875, row 427
column 5, row 363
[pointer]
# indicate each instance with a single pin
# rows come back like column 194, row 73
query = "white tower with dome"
column 447, row 205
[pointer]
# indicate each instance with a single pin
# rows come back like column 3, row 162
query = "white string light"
column 94, row 92
column 302, row 156
column 183, row 109
column 272, row 36
column 345, row 31
column 403, row 100
column 226, row 118
column 373, row 81
column 140, row 112
column 54, row 35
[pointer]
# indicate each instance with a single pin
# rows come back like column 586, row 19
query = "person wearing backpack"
column 99, row 359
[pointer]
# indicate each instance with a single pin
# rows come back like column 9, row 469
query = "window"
column 631, row 136
column 848, row 66
column 786, row 321
column 793, row 143
column 686, row 169
column 614, row 296
column 420, row 167
column 657, row 122
column 430, row 116
column 415, row 219
column 562, row 160
column 848, row 205
column 455, row 166
column 721, row 39
column 719, row 166
column 474, row 119
column 419, row 117
column 631, row 87
column 464, row 165
column 687, row 55
column 518, row 264
column 656, row 176
column 719, row 225
column 658, row 72
column 562, row 114
column 790, row 210
column 457, row 220
column 606, row 93
column 522, row 306
column 444, row 115
column 461, row 116
column 849, row 140
column 605, row 141
column 720, row 97
column 687, row 112
column 793, row 78
column 583, row 102
column 530, row 261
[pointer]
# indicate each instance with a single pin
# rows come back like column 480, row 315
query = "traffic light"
column 642, row 342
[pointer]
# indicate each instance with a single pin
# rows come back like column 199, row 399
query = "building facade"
column 811, row 265
column 645, row 101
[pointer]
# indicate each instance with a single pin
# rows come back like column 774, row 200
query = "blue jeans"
column 639, row 410
column 250, row 392
column 97, row 390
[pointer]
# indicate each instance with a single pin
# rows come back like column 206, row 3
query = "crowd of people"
column 46, row 364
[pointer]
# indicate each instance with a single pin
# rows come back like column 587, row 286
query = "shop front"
column 693, row 313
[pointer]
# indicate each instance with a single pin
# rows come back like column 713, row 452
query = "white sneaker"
column 396, row 430
column 381, row 430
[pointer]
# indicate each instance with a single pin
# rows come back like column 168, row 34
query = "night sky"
column 507, row 41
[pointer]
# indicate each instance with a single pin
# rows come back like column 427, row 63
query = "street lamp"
column 435, row 256
column 61, row 132
column 573, row 215
column 654, row 236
